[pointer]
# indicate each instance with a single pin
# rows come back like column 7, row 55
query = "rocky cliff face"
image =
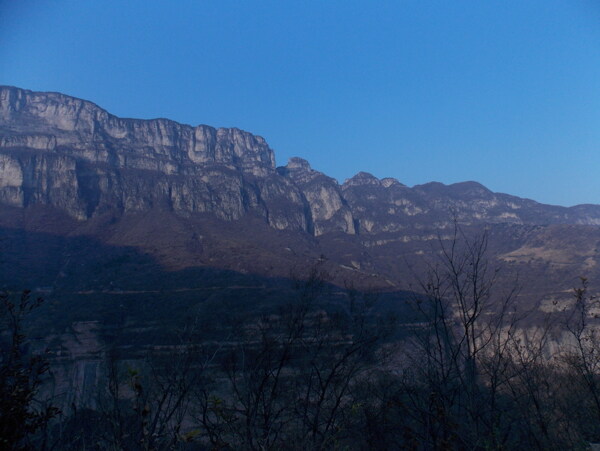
column 68, row 153
column 55, row 122
column 72, row 154
column 326, row 206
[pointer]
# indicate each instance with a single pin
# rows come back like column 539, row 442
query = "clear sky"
column 504, row 92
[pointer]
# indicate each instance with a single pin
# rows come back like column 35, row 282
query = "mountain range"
column 98, row 210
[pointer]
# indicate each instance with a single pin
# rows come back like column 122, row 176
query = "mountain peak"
column 362, row 178
column 298, row 163
column 390, row 181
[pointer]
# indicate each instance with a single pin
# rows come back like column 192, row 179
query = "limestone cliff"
column 71, row 154
column 323, row 196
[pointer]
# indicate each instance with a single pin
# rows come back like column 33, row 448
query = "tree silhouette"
column 21, row 374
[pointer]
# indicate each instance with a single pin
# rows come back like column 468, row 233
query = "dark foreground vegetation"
column 465, row 372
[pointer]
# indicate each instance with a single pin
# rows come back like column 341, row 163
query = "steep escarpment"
column 56, row 122
column 71, row 154
column 174, row 191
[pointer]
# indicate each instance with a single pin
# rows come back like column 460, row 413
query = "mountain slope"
column 192, row 197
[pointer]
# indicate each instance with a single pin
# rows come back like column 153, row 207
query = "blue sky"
column 503, row 92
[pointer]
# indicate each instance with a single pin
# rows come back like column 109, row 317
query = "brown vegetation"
column 463, row 374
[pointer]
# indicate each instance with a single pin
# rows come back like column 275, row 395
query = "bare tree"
column 581, row 357
column 143, row 403
column 460, row 353
column 290, row 381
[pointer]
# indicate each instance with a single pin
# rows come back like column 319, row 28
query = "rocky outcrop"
column 397, row 204
column 323, row 197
